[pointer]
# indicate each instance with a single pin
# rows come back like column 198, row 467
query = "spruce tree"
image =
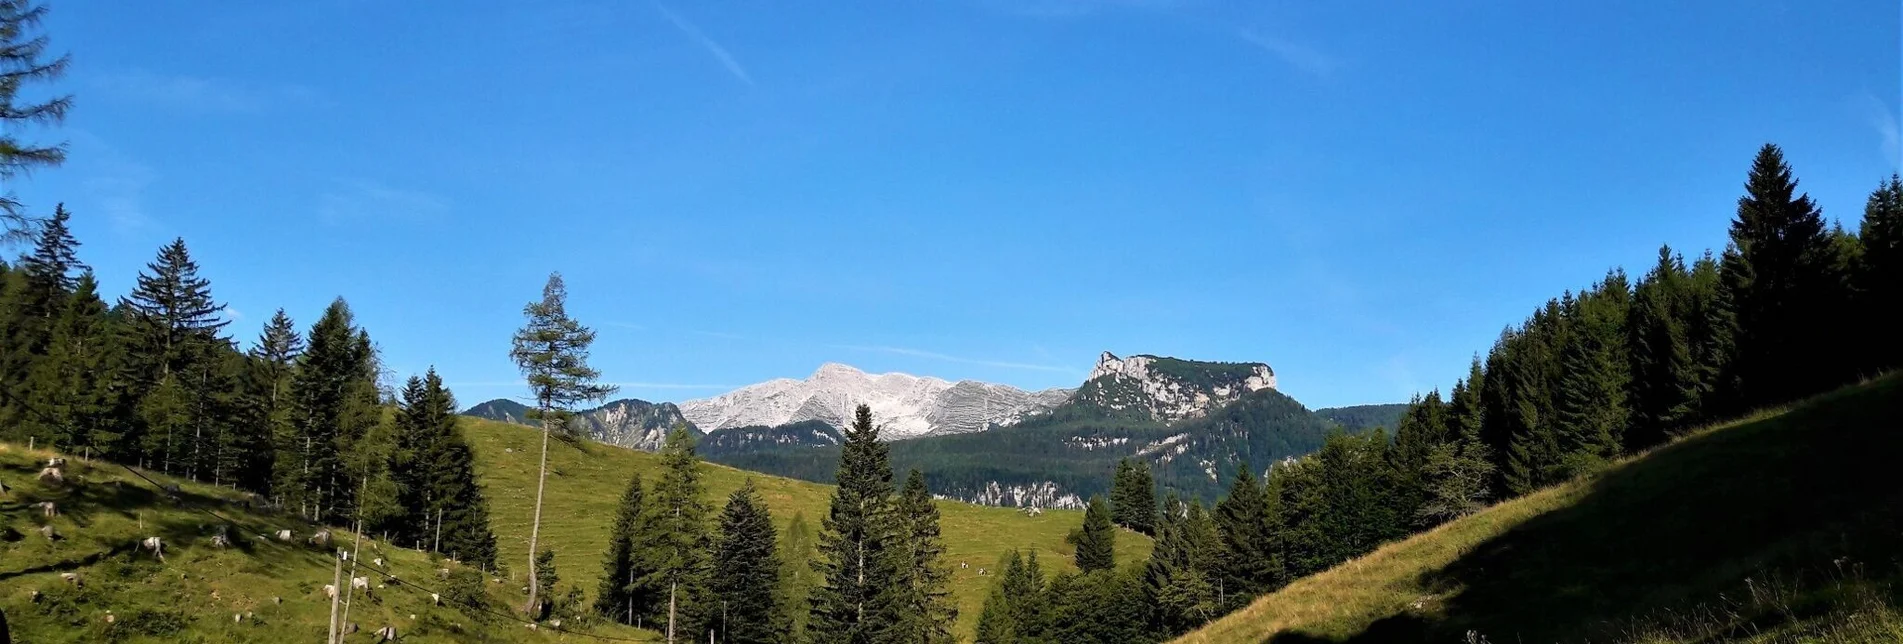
column 1664, row 385
column 461, row 510
column 334, row 404
column 620, row 567
column 546, row 576
column 169, row 312
column 1096, row 540
column 746, row 572
column 919, row 606
column 1249, row 560
column 267, row 386
column 1017, row 609
column 23, row 61
column 1121, row 502
column 1880, row 273
column 854, row 540
column 1180, row 577
column 52, row 269
column 551, row 349
column 1780, row 277
column 1142, row 498
column 799, row 547
column 675, row 539
column 70, row 388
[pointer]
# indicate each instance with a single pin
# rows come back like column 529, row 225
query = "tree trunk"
column 670, row 611
column 535, row 524
column 336, row 579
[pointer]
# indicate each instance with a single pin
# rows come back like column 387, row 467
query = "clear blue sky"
column 1361, row 194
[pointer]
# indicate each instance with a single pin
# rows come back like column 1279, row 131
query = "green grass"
column 195, row 593
column 1780, row 527
column 586, row 481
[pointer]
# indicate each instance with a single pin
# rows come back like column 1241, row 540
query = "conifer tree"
column 1133, row 496
column 1179, row 577
column 546, row 576
column 23, row 61
column 1458, row 471
column 854, row 540
column 70, row 388
column 1591, row 406
column 335, row 403
column 1121, row 503
column 461, row 510
column 551, row 349
column 1096, row 540
column 1016, row 610
column 797, row 577
column 1880, row 273
column 746, row 572
column 621, row 566
column 919, row 608
column 52, row 269
column 1664, row 377
column 1780, row 278
column 1249, row 560
column 170, row 312
column 676, row 540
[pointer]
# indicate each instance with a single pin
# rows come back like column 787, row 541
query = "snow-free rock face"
column 1167, row 390
column 904, row 406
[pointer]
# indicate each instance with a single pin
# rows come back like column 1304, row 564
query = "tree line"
column 1792, row 307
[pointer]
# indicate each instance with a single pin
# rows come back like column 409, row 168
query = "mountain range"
column 1192, row 422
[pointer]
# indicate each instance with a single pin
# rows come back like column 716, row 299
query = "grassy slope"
column 584, row 487
column 1660, row 548
column 193, row 596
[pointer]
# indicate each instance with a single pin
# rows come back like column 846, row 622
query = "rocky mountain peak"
column 1167, row 390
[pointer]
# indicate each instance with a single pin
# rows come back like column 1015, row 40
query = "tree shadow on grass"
column 1691, row 521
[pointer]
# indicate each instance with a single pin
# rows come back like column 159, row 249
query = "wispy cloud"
column 933, row 355
column 1302, row 57
column 1884, row 119
column 719, row 53
column 201, row 94
column 359, row 199
column 486, row 384
column 1074, row 8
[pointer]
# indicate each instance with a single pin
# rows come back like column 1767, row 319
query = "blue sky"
column 1361, row 194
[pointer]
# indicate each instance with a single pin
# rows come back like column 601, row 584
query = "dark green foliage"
column 1106, row 607
column 917, row 606
column 1880, row 273
column 1018, row 610
column 1780, row 273
column 617, row 599
column 1133, row 496
column 854, row 539
column 799, row 547
column 1361, row 417
column 1250, row 559
column 334, row 404
column 23, row 61
column 1594, row 374
column 675, row 542
column 1182, row 580
column 1096, row 540
column 545, row 577
column 435, row 503
column 746, row 572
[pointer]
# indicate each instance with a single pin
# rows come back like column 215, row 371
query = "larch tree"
column 24, row 62
column 551, row 349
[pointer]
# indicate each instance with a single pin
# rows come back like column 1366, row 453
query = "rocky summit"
column 904, row 405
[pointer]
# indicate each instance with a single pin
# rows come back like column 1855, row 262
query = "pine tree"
column 1096, row 540
column 1102, row 607
column 675, row 540
column 620, row 568
column 552, row 351
column 169, row 311
column 918, row 607
column 546, row 577
column 52, row 268
column 1016, row 610
column 1249, row 560
column 1664, row 378
column 23, row 60
column 462, row 512
column 1140, row 499
column 853, row 540
column 1179, row 577
column 1780, row 276
column 1880, row 273
column 1121, row 502
column 69, row 389
column 1421, row 429
column 746, row 572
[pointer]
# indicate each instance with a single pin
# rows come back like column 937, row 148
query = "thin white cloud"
column 1889, row 139
column 359, row 199
column 719, row 53
column 200, row 94
column 1075, row 8
column 933, row 355
column 1302, row 57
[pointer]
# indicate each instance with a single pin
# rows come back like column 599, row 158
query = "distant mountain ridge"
column 629, row 422
column 905, row 405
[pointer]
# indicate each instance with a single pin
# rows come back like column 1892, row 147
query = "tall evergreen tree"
column 1595, row 373
column 1120, row 489
column 1780, row 275
column 622, row 566
column 1880, row 273
column 854, row 539
column 52, row 269
column 1096, row 540
column 170, row 313
column 335, row 404
column 551, row 349
column 1136, row 509
column 24, row 61
column 676, row 540
column 1017, row 609
column 267, row 393
column 462, row 511
column 746, row 572
column 1664, row 385
column 1249, row 561
column 1181, row 580
column 69, row 389
column 919, row 606
column 799, row 547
